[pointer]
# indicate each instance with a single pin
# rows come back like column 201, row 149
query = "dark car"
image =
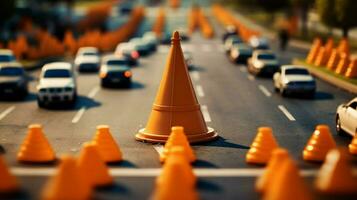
column 240, row 53
column 142, row 47
column 13, row 80
column 229, row 31
column 230, row 41
column 115, row 72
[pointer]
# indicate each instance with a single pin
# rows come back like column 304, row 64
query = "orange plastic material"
column 336, row 174
column 178, row 138
column 67, row 183
column 287, row 184
column 333, row 60
column 107, row 147
column 319, row 144
column 352, row 69
column 321, row 57
column 343, row 64
column 35, row 147
column 316, row 45
column 278, row 156
column 353, row 146
column 262, row 147
column 93, row 167
column 8, row 182
column 176, row 103
column 343, row 46
column 176, row 181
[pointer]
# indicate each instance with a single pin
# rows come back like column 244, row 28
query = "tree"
column 346, row 12
column 272, row 6
column 326, row 11
column 303, row 7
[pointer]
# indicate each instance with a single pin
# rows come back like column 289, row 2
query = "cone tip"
column 322, row 127
column 177, row 128
column 175, row 36
column 102, row 127
column 35, row 126
column 265, row 129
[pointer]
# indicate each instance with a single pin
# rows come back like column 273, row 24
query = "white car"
column 128, row 50
column 57, row 84
column 6, row 56
column 346, row 117
column 291, row 79
column 263, row 62
column 87, row 59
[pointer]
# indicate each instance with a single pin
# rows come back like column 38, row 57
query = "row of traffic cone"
column 335, row 59
column 197, row 19
column 159, row 24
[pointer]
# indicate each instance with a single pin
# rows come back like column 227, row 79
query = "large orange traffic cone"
column 263, row 145
column 178, row 138
column 335, row 175
column 278, row 156
column 315, row 47
column 352, row 69
column 319, row 144
column 333, row 60
column 353, row 146
column 8, row 182
column 287, row 184
column 321, row 57
column 93, row 167
column 35, row 147
column 107, row 147
column 343, row 64
column 176, row 103
column 67, row 183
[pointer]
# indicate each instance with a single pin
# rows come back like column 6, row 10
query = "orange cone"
column 8, row 182
column 333, row 60
column 107, row 147
column 35, row 147
column 314, row 51
column 319, row 144
column 353, row 146
column 262, row 147
column 67, row 183
column 336, row 176
column 178, row 138
column 176, row 103
column 93, row 167
column 343, row 64
column 287, row 184
column 278, row 156
column 321, row 58
column 352, row 69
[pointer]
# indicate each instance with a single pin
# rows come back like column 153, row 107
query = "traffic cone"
column 321, row 57
column 352, row 69
column 336, row 175
column 35, row 147
column 263, row 145
column 343, row 64
column 353, row 146
column 67, row 183
column 329, row 45
column 8, row 182
column 314, row 50
column 93, row 167
column 319, row 144
column 278, row 156
column 107, row 147
column 287, row 183
column 176, row 103
column 333, row 60
column 178, row 138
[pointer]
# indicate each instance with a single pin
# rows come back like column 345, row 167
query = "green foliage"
column 326, row 11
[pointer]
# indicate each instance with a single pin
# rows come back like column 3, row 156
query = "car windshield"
column 116, row 62
column 297, row 71
column 57, row 73
column 89, row 54
column 6, row 58
column 11, row 71
column 266, row 56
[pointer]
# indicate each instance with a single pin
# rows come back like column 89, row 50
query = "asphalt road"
column 233, row 102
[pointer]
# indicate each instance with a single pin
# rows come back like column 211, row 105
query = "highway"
column 233, row 102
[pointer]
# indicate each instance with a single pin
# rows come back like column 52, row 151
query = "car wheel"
column 40, row 103
column 283, row 92
column 338, row 126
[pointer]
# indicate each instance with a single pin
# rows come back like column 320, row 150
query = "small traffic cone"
column 35, row 147
column 93, row 167
column 176, row 103
column 321, row 58
column 336, row 176
column 178, row 138
column 342, row 64
column 315, row 47
column 352, row 69
column 263, row 145
column 319, row 144
column 8, row 182
column 278, row 156
column 67, row 183
column 353, row 146
column 107, row 147
column 287, row 183
column 333, row 60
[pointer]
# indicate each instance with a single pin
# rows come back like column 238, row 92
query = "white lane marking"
column 199, row 91
column 243, row 69
column 159, row 148
column 195, row 76
column 264, row 90
column 153, row 172
column 286, row 113
column 206, row 48
column 251, row 77
column 6, row 112
column 205, row 113
column 93, row 92
column 78, row 115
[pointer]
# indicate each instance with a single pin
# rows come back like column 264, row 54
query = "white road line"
column 78, row 115
column 243, row 69
column 195, row 76
column 264, row 90
column 286, row 113
column 159, row 148
column 205, row 113
column 251, row 77
column 93, row 92
column 199, row 91
column 6, row 112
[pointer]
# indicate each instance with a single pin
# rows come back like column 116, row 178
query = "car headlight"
column 260, row 65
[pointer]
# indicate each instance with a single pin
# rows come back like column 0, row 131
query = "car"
column 87, row 59
column 127, row 50
column 141, row 46
column 291, row 79
column 151, row 39
column 263, row 63
column 115, row 71
column 13, row 80
column 57, row 85
column 188, row 59
column 87, row 51
column 259, row 42
column 240, row 53
column 346, row 118
column 230, row 30
column 165, row 38
column 184, row 34
column 230, row 41
column 6, row 55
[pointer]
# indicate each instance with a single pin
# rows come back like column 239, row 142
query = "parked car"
column 141, row 46
column 128, row 51
column 230, row 30
column 346, row 118
column 13, row 80
column 188, row 59
column 263, row 62
column 230, row 41
column 240, row 53
column 259, row 42
column 115, row 71
column 6, row 55
column 291, row 79
column 57, row 84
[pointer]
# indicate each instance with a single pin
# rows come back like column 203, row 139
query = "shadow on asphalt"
column 134, row 86
column 13, row 98
column 82, row 101
column 2, row 150
column 196, row 68
column 323, row 96
column 112, row 189
column 208, row 185
column 17, row 195
column 222, row 142
column 204, row 164
column 123, row 163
